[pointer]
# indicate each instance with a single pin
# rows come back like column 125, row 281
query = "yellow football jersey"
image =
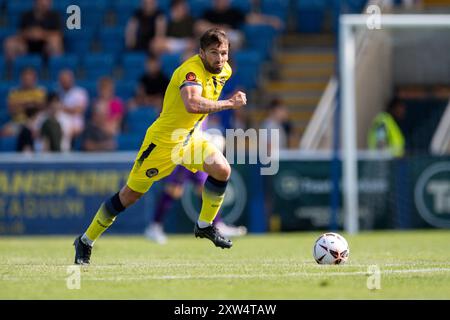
column 175, row 125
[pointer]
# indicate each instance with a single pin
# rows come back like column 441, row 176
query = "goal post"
column 350, row 25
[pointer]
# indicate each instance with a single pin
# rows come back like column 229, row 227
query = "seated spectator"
column 224, row 16
column 27, row 140
column 277, row 119
column 74, row 100
column 98, row 136
column 40, row 32
column 109, row 105
column 179, row 37
column 146, row 23
column 51, row 131
column 152, row 85
column 27, row 95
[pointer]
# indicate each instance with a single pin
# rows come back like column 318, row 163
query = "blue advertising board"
column 60, row 195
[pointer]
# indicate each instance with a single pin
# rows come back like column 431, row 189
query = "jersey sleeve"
column 190, row 75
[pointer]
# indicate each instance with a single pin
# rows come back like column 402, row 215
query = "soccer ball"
column 331, row 248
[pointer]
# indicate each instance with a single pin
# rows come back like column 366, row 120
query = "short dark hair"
column 275, row 103
column 31, row 111
column 51, row 97
column 212, row 36
column 394, row 103
column 174, row 3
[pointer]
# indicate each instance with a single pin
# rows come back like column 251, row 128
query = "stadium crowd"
column 76, row 93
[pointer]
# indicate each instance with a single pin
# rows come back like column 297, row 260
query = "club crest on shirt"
column 190, row 76
column 151, row 172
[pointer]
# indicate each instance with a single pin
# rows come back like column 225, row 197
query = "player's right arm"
column 195, row 103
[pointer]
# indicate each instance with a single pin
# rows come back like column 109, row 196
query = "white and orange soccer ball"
column 331, row 248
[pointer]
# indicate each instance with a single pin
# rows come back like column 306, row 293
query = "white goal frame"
column 347, row 65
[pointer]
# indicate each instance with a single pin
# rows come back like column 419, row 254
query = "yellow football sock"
column 102, row 220
column 210, row 206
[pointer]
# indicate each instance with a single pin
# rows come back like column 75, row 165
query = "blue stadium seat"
column 354, row 6
column 198, row 7
column 90, row 86
column 244, row 6
column 61, row 6
column 56, row 64
column 123, row 10
column 50, row 85
column 4, row 91
column 18, row 7
column 98, row 64
column 279, row 8
column 125, row 89
column 130, row 142
column 2, row 68
column 92, row 18
column 6, row 32
column 311, row 14
column 255, row 41
column 133, row 65
column 137, row 121
column 247, row 66
column 79, row 41
column 22, row 62
column 169, row 62
column 4, row 116
column 112, row 39
column 164, row 6
column 8, row 144
column 92, row 12
column 14, row 11
column 93, row 4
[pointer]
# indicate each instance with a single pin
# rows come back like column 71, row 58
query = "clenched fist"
column 238, row 100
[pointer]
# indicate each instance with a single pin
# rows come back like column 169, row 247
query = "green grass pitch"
column 412, row 264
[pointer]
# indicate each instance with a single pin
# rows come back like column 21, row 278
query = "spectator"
column 179, row 37
column 385, row 132
column 109, row 105
column 27, row 95
column 40, row 32
column 146, row 23
column 98, row 136
column 27, row 140
column 51, row 131
column 223, row 15
column 152, row 85
column 74, row 100
column 277, row 119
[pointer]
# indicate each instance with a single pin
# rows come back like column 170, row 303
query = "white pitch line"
column 237, row 276
column 225, row 264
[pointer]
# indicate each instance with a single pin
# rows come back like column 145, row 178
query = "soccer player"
column 174, row 139
column 174, row 189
